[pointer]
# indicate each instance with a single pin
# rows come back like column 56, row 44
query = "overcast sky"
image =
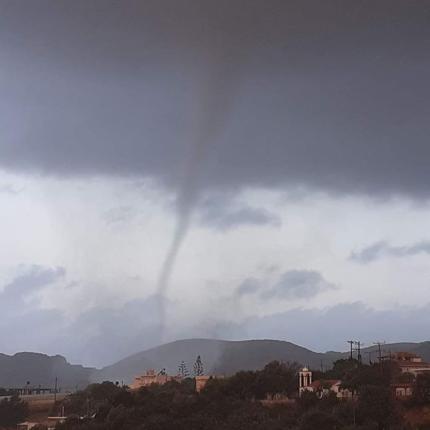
column 284, row 143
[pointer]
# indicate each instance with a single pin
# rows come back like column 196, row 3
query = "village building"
column 321, row 387
column 202, row 380
column 152, row 377
column 410, row 363
column 402, row 390
column 407, row 362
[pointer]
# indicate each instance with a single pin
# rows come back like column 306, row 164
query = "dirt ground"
column 418, row 416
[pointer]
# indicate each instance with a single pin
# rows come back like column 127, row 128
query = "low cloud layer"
column 384, row 249
column 9, row 189
column 312, row 327
column 24, row 325
column 225, row 214
column 293, row 284
column 30, row 280
column 103, row 335
column 298, row 284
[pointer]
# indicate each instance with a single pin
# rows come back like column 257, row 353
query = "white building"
column 322, row 387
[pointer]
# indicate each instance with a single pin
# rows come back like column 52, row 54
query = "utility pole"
column 55, row 390
column 351, row 343
column 358, row 343
column 379, row 345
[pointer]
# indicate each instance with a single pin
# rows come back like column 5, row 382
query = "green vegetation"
column 12, row 411
column 234, row 403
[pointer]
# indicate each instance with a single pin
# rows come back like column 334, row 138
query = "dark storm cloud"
column 383, row 249
column 293, row 284
column 330, row 95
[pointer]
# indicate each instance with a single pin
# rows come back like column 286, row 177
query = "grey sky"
column 293, row 135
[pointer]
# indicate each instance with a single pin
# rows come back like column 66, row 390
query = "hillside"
column 166, row 356
column 227, row 357
column 40, row 369
column 219, row 356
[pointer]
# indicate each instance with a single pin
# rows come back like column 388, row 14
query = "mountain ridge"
column 37, row 369
column 227, row 357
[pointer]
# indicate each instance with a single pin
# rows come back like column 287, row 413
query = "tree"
column 12, row 411
column 308, row 400
column 90, row 400
column 277, row 378
column 341, row 368
column 182, row 370
column 376, row 404
column 365, row 376
column 198, row 367
column 421, row 394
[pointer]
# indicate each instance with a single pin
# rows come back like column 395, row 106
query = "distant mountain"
column 421, row 348
column 218, row 356
column 167, row 356
column 228, row 357
column 40, row 369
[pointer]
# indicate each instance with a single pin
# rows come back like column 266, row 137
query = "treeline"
column 230, row 403
column 240, row 402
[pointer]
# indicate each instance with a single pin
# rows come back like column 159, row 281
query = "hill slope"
column 227, row 357
column 40, row 369
column 218, row 356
